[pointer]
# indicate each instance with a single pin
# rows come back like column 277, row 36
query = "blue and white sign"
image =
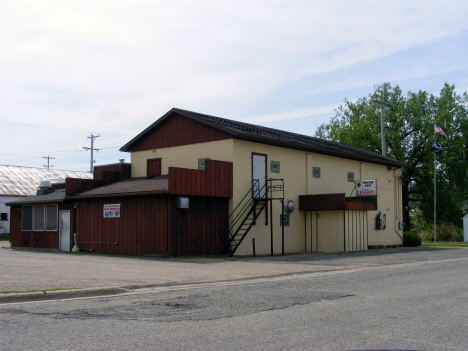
column 112, row 211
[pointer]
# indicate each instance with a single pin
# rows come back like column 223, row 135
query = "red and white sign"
column 366, row 187
column 112, row 211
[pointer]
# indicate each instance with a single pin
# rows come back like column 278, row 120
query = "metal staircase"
column 245, row 215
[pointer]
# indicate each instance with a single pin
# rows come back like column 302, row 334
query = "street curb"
column 59, row 294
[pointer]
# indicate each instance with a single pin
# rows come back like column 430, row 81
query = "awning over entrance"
column 330, row 202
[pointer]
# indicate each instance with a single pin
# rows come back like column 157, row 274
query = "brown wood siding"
column 215, row 181
column 361, row 203
column 178, row 130
column 153, row 167
column 323, row 202
column 38, row 239
column 140, row 230
column 145, row 221
column 122, row 169
column 76, row 185
column 330, row 202
column 194, row 231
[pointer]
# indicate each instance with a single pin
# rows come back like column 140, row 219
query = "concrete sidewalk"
column 26, row 270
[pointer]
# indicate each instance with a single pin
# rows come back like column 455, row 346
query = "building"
column 18, row 182
column 199, row 184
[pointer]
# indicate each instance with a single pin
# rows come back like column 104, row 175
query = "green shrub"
column 375, row 247
column 445, row 232
column 411, row 239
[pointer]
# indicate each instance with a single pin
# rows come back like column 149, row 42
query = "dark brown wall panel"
column 140, row 229
column 178, row 130
column 123, row 169
column 194, row 231
column 75, row 185
column 39, row 239
column 153, row 167
column 214, row 181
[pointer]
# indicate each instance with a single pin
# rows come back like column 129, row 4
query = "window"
column 4, row 216
column 316, row 172
column 51, row 217
column 27, row 219
column 40, row 218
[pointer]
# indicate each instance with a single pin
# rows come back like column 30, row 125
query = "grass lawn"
column 445, row 243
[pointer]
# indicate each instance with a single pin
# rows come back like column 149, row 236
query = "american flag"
column 438, row 129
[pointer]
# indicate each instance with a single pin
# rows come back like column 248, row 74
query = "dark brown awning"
column 330, row 202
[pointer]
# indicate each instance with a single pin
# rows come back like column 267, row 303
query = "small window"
column 316, row 172
column 51, row 217
column 4, row 216
column 27, row 220
column 38, row 218
column 274, row 166
column 284, row 219
column 351, row 177
column 201, row 163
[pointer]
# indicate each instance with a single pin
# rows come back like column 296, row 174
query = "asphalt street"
column 395, row 299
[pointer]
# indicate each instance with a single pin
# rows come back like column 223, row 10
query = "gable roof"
column 264, row 135
column 24, row 181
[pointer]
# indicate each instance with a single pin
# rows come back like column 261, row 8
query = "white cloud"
column 116, row 66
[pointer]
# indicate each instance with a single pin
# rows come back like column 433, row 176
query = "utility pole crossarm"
column 92, row 137
column 48, row 160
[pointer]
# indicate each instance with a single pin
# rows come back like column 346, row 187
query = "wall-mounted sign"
column 366, row 187
column 112, row 211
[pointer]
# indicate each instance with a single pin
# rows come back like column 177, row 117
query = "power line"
column 59, row 129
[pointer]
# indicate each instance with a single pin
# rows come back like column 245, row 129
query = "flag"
column 436, row 148
column 438, row 129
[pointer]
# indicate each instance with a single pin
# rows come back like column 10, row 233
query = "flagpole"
column 435, row 190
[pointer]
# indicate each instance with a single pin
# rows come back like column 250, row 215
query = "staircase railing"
column 244, row 216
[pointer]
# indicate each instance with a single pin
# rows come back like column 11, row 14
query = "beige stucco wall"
column 185, row 156
column 296, row 170
column 292, row 170
column 310, row 232
column 389, row 202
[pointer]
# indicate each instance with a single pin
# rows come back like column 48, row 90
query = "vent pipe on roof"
column 122, row 160
column 45, row 187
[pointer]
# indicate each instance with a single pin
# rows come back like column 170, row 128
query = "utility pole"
column 48, row 160
column 92, row 137
column 382, row 123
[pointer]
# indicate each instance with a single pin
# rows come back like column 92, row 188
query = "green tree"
column 409, row 131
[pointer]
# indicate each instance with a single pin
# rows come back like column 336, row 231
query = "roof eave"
column 101, row 196
column 265, row 140
column 22, row 203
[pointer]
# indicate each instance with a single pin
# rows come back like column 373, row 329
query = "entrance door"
column 259, row 175
column 64, row 223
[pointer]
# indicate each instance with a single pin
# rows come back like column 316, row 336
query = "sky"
column 69, row 69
